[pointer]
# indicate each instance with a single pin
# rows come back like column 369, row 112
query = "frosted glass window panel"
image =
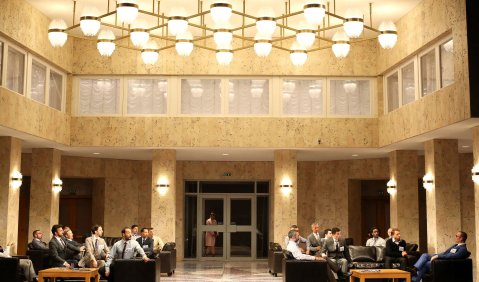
column 393, row 91
column 147, row 96
column 15, row 71
column 302, row 97
column 248, row 97
column 56, row 90
column 99, row 96
column 350, row 97
column 408, row 84
column 428, row 73
column 38, row 81
column 201, row 96
column 447, row 63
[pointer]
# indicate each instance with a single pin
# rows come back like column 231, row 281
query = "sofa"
column 9, row 269
column 303, row 270
column 40, row 259
column 275, row 259
column 111, row 240
column 373, row 257
column 127, row 270
column 449, row 270
column 167, row 257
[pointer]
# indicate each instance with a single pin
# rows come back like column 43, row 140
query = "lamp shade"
column 90, row 22
column 428, row 181
column 298, row 55
column 387, row 35
column 177, row 25
column 266, row 26
column 184, row 44
column 57, row 185
column 314, row 12
column 391, row 187
column 105, row 43
column 150, row 54
column 127, row 11
column 56, row 33
column 224, row 57
column 341, row 44
column 262, row 45
column 223, row 38
column 354, row 23
column 221, row 12
column 306, row 38
column 139, row 33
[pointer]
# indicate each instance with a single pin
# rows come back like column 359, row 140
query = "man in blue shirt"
column 456, row 251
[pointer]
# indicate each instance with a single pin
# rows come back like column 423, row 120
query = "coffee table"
column 364, row 274
column 59, row 272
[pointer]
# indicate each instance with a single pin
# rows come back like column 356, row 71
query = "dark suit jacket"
column 314, row 245
column 148, row 242
column 460, row 253
column 392, row 249
column 74, row 252
column 58, row 252
column 39, row 245
column 329, row 248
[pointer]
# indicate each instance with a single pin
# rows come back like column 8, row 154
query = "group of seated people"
column 95, row 253
column 328, row 246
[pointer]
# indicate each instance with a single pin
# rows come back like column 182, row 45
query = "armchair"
column 303, row 270
column 449, row 270
column 10, row 270
column 167, row 257
column 127, row 270
column 275, row 259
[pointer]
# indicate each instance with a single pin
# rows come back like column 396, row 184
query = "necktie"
column 96, row 246
column 124, row 249
column 337, row 246
column 63, row 243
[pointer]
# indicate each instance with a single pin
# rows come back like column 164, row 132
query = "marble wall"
column 468, row 224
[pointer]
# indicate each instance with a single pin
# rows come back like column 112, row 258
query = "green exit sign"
column 226, row 173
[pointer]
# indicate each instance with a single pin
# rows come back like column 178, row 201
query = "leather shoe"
column 347, row 274
column 412, row 270
column 35, row 279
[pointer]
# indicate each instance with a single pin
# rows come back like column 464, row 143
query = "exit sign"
column 226, row 173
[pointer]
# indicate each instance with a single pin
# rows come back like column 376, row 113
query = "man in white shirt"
column 300, row 240
column 376, row 240
column 157, row 242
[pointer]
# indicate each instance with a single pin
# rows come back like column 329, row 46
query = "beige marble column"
column 443, row 199
column 163, row 206
column 285, row 206
column 10, row 161
column 44, row 202
column 404, row 205
column 475, row 148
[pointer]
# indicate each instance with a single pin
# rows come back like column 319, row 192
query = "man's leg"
column 421, row 262
column 332, row 264
column 420, row 272
column 26, row 266
column 343, row 264
column 402, row 263
column 388, row 262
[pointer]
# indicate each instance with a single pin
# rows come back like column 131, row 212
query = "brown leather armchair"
column 304, row 270
column 167, row 256
column 275, row 259
column 127, row 270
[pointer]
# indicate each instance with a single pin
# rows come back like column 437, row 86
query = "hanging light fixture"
column 341, row 45
column 56, row 33
column 306, row 38
column 262, row 45
column 139, row 33
column 221, row 12
column 90, row 22
column 150, row 54
column 184, row 44
column 388, row 34
column 224, row 56
column 354, row 23
column 127, row 11
column 298, row 55
column 314, row 12
column 106, row 42
column 223, row 38
column 177, row 25
column 266, row 26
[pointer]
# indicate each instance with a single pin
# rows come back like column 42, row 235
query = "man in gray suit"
column 37, row 243
column 335, row 248
column 314, row 244
column 97, row 251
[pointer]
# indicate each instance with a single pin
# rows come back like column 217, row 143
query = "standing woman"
column 210, row 238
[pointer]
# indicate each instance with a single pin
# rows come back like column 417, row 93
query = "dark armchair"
column 303, row 270
column 167, row 257
column 127, row 270
column 275, row 259
column 40, row 258
column 449, row 270
column 10, row 270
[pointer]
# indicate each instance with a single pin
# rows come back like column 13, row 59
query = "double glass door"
column 231, row 233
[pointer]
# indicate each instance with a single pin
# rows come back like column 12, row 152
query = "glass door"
column 240, row 228
column 211, row 227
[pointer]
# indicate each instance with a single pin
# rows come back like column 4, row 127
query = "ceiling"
column 460, row 131
column 382, row 10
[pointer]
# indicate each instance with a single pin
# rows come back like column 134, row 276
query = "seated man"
column 25, row 265
column 336, row 250
column 59, row 248
column 78, row 249
column 146, row 242
column 456, row 251
column 292, row 246
column 313, row 245
column 37, row 243
column 157, row 242
column 134, row 232
column 395, row 251
column 97, row 250
column 301, row 239
column 375, row 240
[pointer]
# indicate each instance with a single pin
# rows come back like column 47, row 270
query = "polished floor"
column 221, row 271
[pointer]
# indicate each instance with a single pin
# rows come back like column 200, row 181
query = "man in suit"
column 37, row 243
column 314, row 244
column 146, row 242
column 134, row 232
column 58, row 248
column 336, row 250
column 456, row 251
column 78, row 248
column 395, row 251
column 157, row 242
column 97, row 250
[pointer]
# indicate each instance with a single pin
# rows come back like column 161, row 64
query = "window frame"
column 439, row 44
column 25, row 67
column 76, row 96
column 29, row 80
column 437, row 68
column 64, row 87
column 399, row 70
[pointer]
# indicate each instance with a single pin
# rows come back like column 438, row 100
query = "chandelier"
column 182, row 32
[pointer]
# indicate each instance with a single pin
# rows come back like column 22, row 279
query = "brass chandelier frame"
column 247, row 42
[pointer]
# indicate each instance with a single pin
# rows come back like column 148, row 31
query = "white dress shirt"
column 297, row 254
column 376, row 242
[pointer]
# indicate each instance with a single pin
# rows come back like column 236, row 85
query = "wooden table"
column 60, row 272
column 394, row 274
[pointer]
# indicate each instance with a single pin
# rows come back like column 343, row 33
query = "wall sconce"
column 286, row 189
column 392, row 187
column 162, row 188
column 17, row 179
column 475, row 174
column 427, row 181
column 57, row 185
